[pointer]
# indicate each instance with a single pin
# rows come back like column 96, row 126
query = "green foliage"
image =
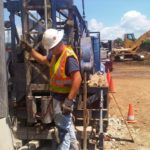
column 118, row 42
column 147, row 41
column 145, row 45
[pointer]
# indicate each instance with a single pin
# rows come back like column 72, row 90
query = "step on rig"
column 29, row 94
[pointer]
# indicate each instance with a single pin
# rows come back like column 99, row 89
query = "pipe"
column 83, row 9
column 45, row 13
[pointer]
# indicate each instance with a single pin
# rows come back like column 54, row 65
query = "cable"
column 132, row 139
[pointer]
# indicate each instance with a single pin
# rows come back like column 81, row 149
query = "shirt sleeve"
column 49, row 57
column 71, row 65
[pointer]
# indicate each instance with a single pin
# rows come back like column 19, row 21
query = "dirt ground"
column 132, row 86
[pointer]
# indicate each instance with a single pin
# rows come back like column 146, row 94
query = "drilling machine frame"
column 28, row 80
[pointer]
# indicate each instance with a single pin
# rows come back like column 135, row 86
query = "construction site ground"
column 131, row 81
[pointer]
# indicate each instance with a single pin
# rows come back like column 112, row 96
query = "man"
column 65, row 80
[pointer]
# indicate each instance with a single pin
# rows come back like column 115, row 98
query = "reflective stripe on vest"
column 59, row 81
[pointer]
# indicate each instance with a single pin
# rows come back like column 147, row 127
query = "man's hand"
column 26, row 46
column 67, row 106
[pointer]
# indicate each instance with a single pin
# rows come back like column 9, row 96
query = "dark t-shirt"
column 71, row 66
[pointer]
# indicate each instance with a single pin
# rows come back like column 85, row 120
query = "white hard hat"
column 51, row 38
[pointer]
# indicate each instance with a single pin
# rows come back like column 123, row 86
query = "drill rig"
column 28, row 88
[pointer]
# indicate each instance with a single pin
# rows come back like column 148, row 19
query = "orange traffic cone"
column 108, row 75
column 111, row 86
column 131, row 118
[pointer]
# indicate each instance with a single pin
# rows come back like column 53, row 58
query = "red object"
column 108, row 77
column 111, row 86
column 108, row 64
column 131, row 118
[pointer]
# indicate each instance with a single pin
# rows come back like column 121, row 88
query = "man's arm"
column 38, row 57
column 74, row 72
column 68, row 103
column 76, row 82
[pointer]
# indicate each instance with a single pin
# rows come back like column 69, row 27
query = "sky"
column 114, row 18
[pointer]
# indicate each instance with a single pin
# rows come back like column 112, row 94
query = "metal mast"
column 3, row 76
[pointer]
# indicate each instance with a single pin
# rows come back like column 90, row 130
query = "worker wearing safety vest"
column 65, row 80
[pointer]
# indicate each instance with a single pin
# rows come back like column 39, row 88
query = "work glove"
column 67, row 106
column 25, row 46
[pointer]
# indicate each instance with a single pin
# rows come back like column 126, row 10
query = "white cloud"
column 112, row 32
column 131, row 22
column 135, row 21
column 95, row 25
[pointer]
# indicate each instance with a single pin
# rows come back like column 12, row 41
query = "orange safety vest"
column 59, row 81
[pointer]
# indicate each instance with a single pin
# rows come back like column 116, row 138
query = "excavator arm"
column 131, row 45
column 134, row 44
column 140, row 40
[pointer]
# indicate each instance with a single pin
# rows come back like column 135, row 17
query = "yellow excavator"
column 130, row 47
